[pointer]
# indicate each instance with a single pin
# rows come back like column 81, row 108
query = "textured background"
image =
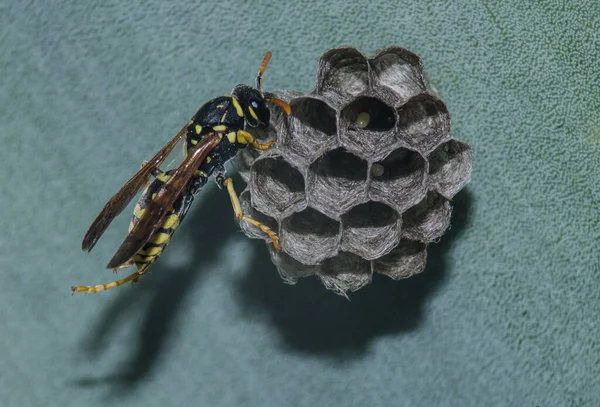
column 506, row 313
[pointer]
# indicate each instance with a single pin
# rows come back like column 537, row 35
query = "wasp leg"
column 239, row 214
column 124, row 265
column 249, row 138
column 101, row 287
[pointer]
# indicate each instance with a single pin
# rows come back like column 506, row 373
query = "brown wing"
column 163, row 202
column 118, row 202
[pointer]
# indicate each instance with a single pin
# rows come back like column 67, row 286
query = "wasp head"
column 253, row 103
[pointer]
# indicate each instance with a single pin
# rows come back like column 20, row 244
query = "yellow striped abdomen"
column 157, row 243
column 152, row 250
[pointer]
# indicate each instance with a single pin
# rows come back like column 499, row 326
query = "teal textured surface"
column 507, row 312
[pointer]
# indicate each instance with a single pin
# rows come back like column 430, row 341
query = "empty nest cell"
column 450, row 166
column 277, row 188
column 342, row 74
column 289, row 268
column 428, row 220
column 367, row 127
column 337, row 182
column 310, row 236
column 370, row 230
column 400, row 70
column 345, row 272
column 423, row 122
column 402, row 179
column 312, row 128
column 407, row 259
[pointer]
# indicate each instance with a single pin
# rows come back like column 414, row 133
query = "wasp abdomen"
column 152, row 250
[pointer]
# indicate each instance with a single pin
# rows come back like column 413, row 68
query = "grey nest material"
column 362, row 173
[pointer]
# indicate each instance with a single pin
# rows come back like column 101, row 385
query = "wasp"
column 212, row 138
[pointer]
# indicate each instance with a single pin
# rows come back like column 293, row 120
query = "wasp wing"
column 120, row 200
column 163, row 202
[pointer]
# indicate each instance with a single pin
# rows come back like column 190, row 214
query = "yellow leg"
column 124, row 265
column 244, row 135
column 95, row 288
column 239, row 214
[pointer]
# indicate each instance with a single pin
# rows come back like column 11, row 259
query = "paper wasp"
column 213, row 137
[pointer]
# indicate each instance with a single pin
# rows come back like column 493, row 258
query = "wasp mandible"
column 212, row 137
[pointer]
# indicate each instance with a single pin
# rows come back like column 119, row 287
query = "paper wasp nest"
column 361, row 176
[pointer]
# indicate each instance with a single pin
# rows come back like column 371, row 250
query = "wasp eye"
column 254, row 104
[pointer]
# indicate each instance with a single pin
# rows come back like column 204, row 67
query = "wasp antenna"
column 281, row 103
column 262, row 68
column 265, row 62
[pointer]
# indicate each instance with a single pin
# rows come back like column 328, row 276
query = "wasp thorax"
column 362, row 174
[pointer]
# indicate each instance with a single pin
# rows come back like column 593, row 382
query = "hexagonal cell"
column 428, row 220
column 403, row 179
column 367, row 127
column 277, row 187
column 423, row 122
column 345, row 272
column 342, row 74
column 309, row 236
column 289, row 268
column 312, row 128
column 336, row 182
column 400, row 70
column 407, row 259
column 450, row 166
column 250, row 230
column 370, row 230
